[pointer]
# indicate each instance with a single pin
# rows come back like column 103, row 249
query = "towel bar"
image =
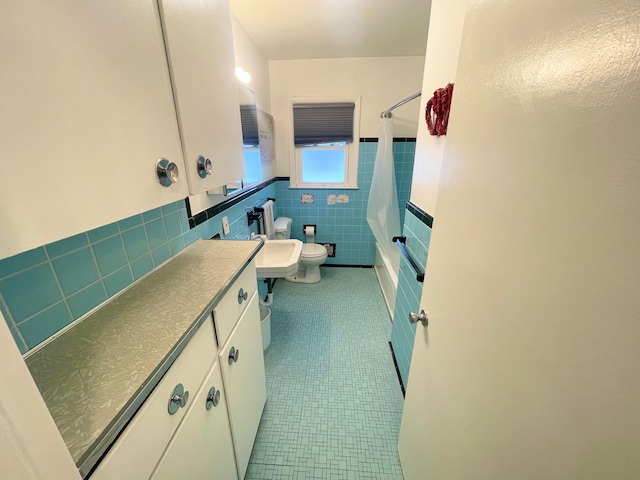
column 252, row 215
column 401, row 241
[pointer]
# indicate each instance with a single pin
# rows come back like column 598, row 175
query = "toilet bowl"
column 313, row 254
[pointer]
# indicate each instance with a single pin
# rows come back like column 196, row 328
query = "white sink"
column 278, row 258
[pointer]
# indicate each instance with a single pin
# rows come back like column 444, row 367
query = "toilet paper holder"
column 313, row 226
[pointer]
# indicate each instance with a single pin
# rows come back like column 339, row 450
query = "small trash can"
column 265, row 323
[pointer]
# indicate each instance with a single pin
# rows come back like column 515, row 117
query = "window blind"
column 316, row 123
column 249, row 120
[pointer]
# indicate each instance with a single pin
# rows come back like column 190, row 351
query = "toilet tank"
column 283, row 228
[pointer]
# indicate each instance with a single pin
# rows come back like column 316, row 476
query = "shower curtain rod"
column 387, row 113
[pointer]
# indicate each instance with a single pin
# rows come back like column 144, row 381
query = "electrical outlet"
column 225, row 225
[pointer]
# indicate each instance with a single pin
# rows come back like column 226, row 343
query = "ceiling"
column 298, row 29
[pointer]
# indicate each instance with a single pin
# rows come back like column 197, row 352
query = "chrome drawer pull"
column 213, row 398
column 242, row 296
column 178, row 399
column 234, row 354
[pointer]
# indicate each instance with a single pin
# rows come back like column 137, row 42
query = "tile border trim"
column 340, row 265
column 395, row 364
column 423, row 216
column 201, row 217
column 395, row 139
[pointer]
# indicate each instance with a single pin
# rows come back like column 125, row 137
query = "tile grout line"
column 64, row 297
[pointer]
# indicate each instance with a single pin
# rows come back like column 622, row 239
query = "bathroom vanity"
column 167, row 379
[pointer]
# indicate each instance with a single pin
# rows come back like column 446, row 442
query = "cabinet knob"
column 167, row 172
column 242, row 296
column 419, row 317
column 178, row 399
column 213, row 398
column 204, row 166
column 234, row 354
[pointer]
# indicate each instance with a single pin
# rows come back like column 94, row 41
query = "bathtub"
column 387, row 278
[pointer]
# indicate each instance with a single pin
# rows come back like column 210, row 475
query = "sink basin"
column 278, row 258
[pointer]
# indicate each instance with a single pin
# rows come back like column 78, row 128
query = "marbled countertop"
column 94, row 376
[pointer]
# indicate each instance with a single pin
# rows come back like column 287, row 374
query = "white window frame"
column 351, row 149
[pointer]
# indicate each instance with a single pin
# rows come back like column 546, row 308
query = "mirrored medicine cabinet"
column 257, row 140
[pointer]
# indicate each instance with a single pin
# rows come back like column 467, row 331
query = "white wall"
column 381, row 82
column 441, row 62
column 251, row 59
column 32, row 447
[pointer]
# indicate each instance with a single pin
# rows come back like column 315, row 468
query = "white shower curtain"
column 383, row 214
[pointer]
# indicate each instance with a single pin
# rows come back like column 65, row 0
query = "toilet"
column 313, row 254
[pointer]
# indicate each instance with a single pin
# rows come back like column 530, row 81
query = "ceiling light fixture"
column 244, row 77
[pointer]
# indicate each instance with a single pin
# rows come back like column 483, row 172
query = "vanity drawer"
column 229, row 309
column 136, row 453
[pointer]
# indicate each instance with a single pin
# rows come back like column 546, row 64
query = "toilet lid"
column 313, row 250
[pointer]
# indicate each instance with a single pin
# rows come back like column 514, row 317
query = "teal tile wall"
column 237, row 216
column 409, row 292
column 403, row 156
column 345, row 224
column 45, row 289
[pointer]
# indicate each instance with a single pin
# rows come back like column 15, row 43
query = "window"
column 324, row 143
column 252, row 165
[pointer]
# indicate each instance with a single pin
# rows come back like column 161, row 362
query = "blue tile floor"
column 334, row 403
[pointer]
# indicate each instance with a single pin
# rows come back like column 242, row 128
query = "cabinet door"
column 200, row 47
column 244, row 381
column 229, row 309
column 136, row 452
column 201, row 448
column 87, row 110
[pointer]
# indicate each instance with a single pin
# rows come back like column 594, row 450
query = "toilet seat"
column 313, row 250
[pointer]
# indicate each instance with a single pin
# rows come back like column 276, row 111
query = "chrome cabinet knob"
column 178, row 399
column 234, row 354
column 167, row 172
column 213, row 398
column 419, row 317
column 204, row 166
column 242, row 296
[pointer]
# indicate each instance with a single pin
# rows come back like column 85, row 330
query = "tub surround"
column 417, row 229
column 94, row 376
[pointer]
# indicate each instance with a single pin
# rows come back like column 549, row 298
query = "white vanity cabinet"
column 202, row 446
column 237, row 322
column 225, row 374
column 87, row 110
column 136, row 453
column 242, row 363
column 199, row 45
